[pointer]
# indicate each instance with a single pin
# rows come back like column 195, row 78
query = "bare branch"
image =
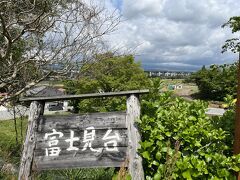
column 39, row 34
column 27, row 87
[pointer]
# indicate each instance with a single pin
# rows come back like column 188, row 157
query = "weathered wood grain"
column 86, row 96
column 114, row 154
column 98, row 120
column 135, row 161
column 81, row 159
column 102, row 122
column 36, row 109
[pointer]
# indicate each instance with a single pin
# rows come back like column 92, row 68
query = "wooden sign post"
column 36, row 109
column 87, row 140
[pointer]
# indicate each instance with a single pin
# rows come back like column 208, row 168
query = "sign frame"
column 132, row 114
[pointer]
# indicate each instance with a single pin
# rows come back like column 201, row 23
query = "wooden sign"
column 90, row 140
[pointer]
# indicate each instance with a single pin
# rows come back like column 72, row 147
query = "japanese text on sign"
column 110, row 138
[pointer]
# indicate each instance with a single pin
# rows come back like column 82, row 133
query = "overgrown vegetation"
column 217, row 81
column 77, row 174
column 109, row 74
column 179, row 141
column 10, row 150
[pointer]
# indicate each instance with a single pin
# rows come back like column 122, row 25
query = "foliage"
column 229, row 102
column 179, row 141
column 234, row 46
column 7, row 176
column 109, row 74
column 217, row 81
column 234, row 43
column 43, row 38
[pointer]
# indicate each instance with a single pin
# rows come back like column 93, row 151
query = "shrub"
column 180, row 142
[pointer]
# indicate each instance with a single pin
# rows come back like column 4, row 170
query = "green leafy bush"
column 179, row 141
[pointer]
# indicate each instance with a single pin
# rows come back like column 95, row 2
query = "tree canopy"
column 35, row 34
column 232, row 44
column 108, row 74
column 217, row 81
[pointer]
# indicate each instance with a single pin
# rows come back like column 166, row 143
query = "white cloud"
column 176, row 34
column 135, row 9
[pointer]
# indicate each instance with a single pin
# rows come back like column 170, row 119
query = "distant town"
column 168, row 74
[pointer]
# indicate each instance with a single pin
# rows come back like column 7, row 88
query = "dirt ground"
column 187, row 91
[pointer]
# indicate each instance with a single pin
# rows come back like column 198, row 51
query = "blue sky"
column 117, row 4
column 175, row 34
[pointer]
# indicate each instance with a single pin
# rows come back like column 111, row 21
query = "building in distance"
column 169, row 74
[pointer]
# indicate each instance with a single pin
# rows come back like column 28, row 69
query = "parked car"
column 56, row 106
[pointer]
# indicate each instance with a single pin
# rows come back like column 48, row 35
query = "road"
column 6, row 114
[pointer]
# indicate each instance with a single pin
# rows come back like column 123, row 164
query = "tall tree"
column 217, row 81
column 37, row 35
column 234, row 46
column 110, row 73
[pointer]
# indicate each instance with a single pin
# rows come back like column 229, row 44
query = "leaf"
column 236, row 168
column 192, row 118
column 158, row 155
column 168, row 134
column 164, row 149
column 146, row 144
column 155, row 163
column 198, row 144
column 157, row 176
column 146, row 154
column 187, row 175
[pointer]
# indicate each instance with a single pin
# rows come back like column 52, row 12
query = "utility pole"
column 236, row 145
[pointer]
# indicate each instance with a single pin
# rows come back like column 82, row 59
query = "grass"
column 10, row 152
column 173, row 81
column 77, row 174
column 188, row 89
column 9, row 147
